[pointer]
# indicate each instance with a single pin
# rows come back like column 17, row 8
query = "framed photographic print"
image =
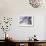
column 25, row 20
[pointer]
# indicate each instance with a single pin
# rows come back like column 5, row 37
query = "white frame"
column 32, row 20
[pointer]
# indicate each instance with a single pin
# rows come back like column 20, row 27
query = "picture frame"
column 25, row 20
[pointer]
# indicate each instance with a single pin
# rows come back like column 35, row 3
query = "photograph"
column 25, row 20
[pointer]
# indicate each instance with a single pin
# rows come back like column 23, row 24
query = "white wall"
column 14, row 8
column 45, row 29
column 23, row 33
column 17, row 7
